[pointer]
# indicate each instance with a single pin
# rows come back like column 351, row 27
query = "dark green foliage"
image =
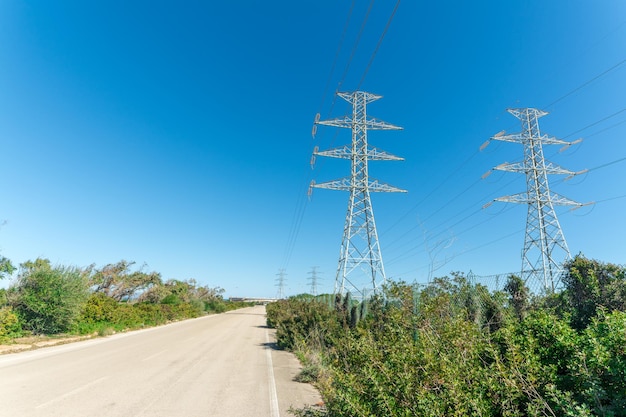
column 519, row 296
column 4, row 299
column 602, row 375
column 6, row 267
column 590, row 284
column 298, row 321
column 355, row 316
column 454, row 348
column 49, row 299
column 99, row 308
column 102, row 311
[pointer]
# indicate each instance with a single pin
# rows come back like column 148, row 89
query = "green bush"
column 297, row 320
column 454, row 349
column 602, row 374
column 10, row 326
column 50, row 299
column 99, row 308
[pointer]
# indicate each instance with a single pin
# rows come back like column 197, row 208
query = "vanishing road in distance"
column 219, row 365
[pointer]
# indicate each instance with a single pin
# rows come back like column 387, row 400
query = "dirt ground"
column 35, row 342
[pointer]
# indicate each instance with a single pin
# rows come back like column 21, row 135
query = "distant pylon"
column 313, row 280
column 360, row 250
column 280, row 283
column 544, row 239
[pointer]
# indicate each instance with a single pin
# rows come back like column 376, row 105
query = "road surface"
column 220, row 365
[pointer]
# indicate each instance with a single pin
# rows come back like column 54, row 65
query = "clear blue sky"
column 178, row 134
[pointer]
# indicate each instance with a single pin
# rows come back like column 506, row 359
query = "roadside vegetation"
column 455, row 348
column 45, row 299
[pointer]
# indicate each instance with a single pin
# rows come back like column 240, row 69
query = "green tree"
column 120, row 283
column 518, row 295
column 590, row 284
column 49, row 299
column 6, row 267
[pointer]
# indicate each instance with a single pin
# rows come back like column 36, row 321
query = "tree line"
column 455, row 348
column 51, row 299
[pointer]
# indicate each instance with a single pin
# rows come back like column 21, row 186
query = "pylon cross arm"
column 348, row 122
column 374, row 124
column 345, row 184
column 524, row 198
column 563, row 201
column 345, row 122
column 345, row 152
column 351, row 97
column 341, row 185
column 374, row 154
column 550, row 168
column 376, row 186
column 522, row 138
column 551, row 140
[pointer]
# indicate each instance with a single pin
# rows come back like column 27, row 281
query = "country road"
column 220, row 365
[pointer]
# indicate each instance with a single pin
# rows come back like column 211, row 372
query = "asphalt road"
column 220, row 365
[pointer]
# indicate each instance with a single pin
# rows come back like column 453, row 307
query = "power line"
column 355, row 46
column 412, row 209
column 301, row 202
column 595, row 123
column 603, row 73
column 611, row 199
column 607, row 164
column 332, row 68
column 380, row 41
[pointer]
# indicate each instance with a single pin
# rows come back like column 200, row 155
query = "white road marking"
column 72, row 392
column 274, row 412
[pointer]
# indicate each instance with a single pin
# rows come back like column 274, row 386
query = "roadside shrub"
column 10, row 326
column 602, row 375
column 299, row 320
column 215, row 306
column 99, row 308
column 50, row 299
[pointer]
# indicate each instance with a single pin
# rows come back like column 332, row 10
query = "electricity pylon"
column 544, row 239
column 360, row 249
column 280, row 283
column 313, row 280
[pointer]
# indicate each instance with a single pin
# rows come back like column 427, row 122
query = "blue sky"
column 178, row 134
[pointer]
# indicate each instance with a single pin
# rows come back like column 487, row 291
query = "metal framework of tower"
column 360, row 253
column 280, row 283
column 544, row 239
column 313, row 280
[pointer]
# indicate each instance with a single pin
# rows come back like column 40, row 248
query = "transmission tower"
column 280, row 283
column 360, row 253
column 545, row 248
column 313, row 280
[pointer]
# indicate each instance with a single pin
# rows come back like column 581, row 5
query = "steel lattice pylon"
column 360, row 249
column 544, row 238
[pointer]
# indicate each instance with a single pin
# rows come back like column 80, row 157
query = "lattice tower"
column 545, row 248
column 360, row 269
column 313, row 280
column 280, row 283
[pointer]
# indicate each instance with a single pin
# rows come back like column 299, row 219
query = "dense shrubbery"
column 48, row 299
column 10, row 325
column 453, row 348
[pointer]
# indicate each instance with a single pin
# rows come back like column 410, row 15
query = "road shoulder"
column 291, row 394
